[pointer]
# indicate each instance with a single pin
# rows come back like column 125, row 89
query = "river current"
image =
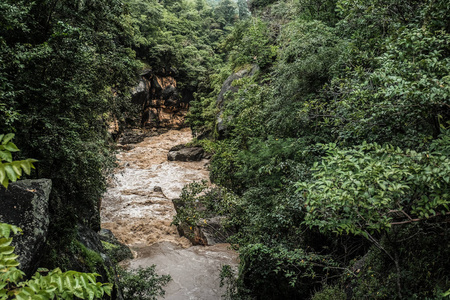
column 138, row 209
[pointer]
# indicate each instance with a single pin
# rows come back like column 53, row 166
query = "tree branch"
column 420, row 219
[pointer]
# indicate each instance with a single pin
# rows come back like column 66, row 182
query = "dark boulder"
column 115, row 249
column 132, row 136
column 96, row 253
column 208, row 232
column 25, row 204
column 139, row 94
column 186, row 154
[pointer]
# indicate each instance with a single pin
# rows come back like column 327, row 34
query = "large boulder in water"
column 186, row 154
column 25, row 204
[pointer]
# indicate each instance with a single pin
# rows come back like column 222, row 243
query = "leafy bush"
column 250, row 43
column 278, row 273
column 370, row 188
column 142, row 283
column 44, row 284
column 330, row 293
column 423, row 269
column 198, row 202
column 12, row 170
column 254, row 4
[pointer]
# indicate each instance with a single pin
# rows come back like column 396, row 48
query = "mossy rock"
column 113, row 248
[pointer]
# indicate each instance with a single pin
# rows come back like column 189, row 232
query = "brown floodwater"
column 138, row 209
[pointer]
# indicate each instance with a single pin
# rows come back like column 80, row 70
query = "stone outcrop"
column 162, row 105
column 186, row 154
column 25, row 204
column 103, row 263
column 212, row 230
column 208, row 232
column 227, row 88
column 114, row 249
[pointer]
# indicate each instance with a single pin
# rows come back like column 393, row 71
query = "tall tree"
column 244, row 13
column 226, row 12
column 65, row 68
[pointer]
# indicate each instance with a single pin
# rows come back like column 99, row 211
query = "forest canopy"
column 330, row 149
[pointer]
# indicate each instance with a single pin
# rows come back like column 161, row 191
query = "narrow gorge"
column 138, row 205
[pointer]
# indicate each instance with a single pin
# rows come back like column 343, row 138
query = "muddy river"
column 138, row 209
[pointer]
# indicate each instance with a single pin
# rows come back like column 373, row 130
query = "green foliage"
column 44, row 284
column 369, row 188
column 199, row 201
column 250, row 43
column 142, row 283
column 405, row 95
column 65, row 70
column 242, row 113
column 116, row 252
column 226, row 12
column 422, row 249
column 308, row 53
column 91, row 259
column 269, row 271
column 12, row 170
column 330, row 293
column 350, row 75
column 254, row 4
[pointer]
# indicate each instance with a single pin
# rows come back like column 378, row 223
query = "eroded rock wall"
column 162, row 105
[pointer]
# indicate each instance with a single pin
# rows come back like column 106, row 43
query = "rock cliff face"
column 162, row 105
column 227, row 90
column 25, row 204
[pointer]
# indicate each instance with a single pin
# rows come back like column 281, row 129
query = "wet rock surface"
column 92, row 241
column 138, row 209
column 113, row 248
column 25, row 204
column 186, row 154
column 162, row 104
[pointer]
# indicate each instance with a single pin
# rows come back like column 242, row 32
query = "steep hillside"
column 335, row 153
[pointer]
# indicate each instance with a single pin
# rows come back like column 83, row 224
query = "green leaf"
column 5, row 230
column 26, row 166
column 16, row 165
column 11, row 147
column 5, row 182
column 5, row 242
column 6, row 156
column 10, row 172
column 6, row 250
column 2, row 173
column 7, row 138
